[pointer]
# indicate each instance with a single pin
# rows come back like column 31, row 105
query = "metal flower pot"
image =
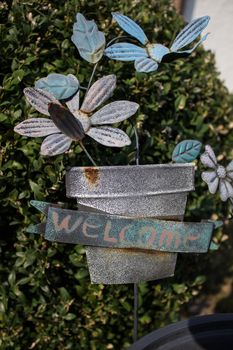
column 155, row 191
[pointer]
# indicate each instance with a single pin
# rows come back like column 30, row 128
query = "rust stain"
column 92, row 175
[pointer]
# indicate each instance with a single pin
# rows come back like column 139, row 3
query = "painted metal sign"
column 112, row 231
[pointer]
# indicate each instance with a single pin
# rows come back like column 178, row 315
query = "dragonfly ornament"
column 74, row 123
column 147, row 58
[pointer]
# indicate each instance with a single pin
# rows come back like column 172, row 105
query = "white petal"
column 108, row 136
column 212, row 180
column 55, row 144
column 145, row 65
column 99, row 92
column 73, row 103
column 208, row 158
column 229, row 170
column 39, row 99
column 36, row 127
column 226, row 190
column 114, row 112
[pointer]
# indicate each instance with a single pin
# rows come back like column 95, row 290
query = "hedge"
column 46, row 299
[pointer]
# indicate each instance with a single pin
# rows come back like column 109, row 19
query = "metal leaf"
column 125, row 52
column 99, row 92
column 186, row 151
column 73, row 103
column 66, row 122
column 89, row 41
column 208, row 158
column 108, row 136
column 39, row 99
column 114, row 112
column 145, row 65
column 190, row 33
column 59, row 85
column 130, row 27
column 36, row 127
column 212, row 180
column 55, row 144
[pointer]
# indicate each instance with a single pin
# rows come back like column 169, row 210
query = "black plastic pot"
column 212, row 332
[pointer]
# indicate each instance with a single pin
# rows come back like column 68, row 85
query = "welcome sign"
column 105, row 230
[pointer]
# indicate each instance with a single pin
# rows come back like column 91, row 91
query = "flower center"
column 221, row 172
column 84, row 119
column 157, row 51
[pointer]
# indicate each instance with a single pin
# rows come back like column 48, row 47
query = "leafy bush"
column 46, row 299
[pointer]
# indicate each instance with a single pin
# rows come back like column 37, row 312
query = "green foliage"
column 46, row 299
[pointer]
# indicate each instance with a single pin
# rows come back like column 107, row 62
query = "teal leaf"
column 59, row 85
column 186, row 151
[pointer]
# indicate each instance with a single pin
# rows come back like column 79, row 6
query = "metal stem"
column 91, row 78
column 115, row 39
column 87, row 154
column 135, row 316
column 135, row 326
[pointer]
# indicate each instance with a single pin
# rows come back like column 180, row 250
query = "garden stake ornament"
column 130, row 218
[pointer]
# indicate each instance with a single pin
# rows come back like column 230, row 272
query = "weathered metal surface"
column 146, row 190
column 116, row 266
column 104, row 230
column 129, row 181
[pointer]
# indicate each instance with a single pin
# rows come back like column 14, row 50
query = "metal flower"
column 219, row 177
column 67, row 125
column 148, row 58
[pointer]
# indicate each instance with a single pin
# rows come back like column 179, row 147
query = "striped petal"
column 55, row 144
column 145, row 65
column 190, row 33
column 73, row 103
column 99, row 92
column 208, row 158
column 130, row 27
column 212, row 180
column 114, row 112
column 226, row 190
column 125, row 52
column 108, row 136
column 229, row 170
column 39, row 99
column 188, row 52
column 36, row 127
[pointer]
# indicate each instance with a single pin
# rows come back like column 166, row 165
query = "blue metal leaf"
column 125, row 52
column 129, row 26
column 89, row 41
column 190, row 33
column 59, row 85
column 186, row 151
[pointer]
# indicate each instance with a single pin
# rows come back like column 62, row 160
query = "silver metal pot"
column 158, row 191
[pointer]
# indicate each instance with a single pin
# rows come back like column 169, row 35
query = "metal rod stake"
column 135, row 323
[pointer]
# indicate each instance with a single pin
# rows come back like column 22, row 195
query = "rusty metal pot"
column 158, row 191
